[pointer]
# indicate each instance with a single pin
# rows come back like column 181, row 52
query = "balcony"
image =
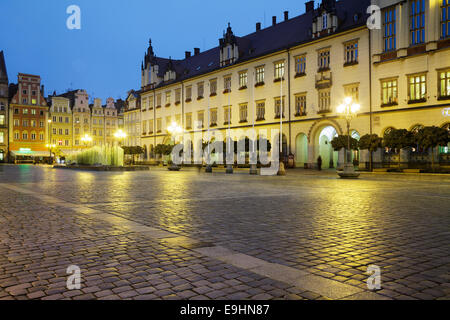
column 324, row 80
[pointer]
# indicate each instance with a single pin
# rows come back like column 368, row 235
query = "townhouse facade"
column 293, row 75
column 4, row 140
column 28, row 118
column 132, row 119
column 60, row 124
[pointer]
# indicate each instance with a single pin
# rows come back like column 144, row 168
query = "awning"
column 31, row 153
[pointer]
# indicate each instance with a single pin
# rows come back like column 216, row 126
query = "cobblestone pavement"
column 160, row 234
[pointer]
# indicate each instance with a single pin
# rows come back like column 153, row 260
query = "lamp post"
column 120, row 135
column 50, row 148
column 174, row 129
column 86, row 139
column 348, row 110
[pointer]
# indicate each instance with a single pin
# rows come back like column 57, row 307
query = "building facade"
column 132, row 119
column 61, row 125
column 111, row 121
column 28, row 118
column 4, row 146
column 293, row 75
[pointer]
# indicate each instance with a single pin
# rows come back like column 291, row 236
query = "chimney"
column 286, row 15
column 187, row 54
column 42, row 90
column 309, row 6
column 258, row 26
column 274, row 20
column 196, row 51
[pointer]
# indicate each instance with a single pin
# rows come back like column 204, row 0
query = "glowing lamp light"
column 120, row 134
column 174, row 128
column 341, row 109
column 355, row 108
column 348, row 100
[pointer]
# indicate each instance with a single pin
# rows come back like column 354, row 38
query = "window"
column 41, row 136
column 24, row 100
column 279, row 70
column 260, row 110
column 324, row 21
column 300, row 65
column 279, row 105
column 188, row 94
column 16, row 111
column 2, row 106
column 324, row 59
column 389, row 29
column 227, row 116
column 389, row 93
column 2, row 120
column 213, row 87
column 60, row 131
column 260, row 75
column 227, row 84
column 445, row 18
column 54, row 130
column 352, row 91
column 417, row 88
column 33, row 136
column 41, row 124
column 77, row 142
column 300, row 105
column 33, row 111
column 33, row 123
column 351, row 52
column 33, row 101
column 168, row 95
column 144, row 127
column 144, row 104
column 200, row 119
column 2, row 138
column 243, row 112
column 60, row 119
column 67, row 119
column 67, row 132
column 444, row 84
column 66, row 143
column 25, row 123
column 324, row 101
column 150, row 126
column 158, row 101
column 77, row 130
column 25, row 111
column 16, row 122
column 25, row 135
column 16, row 135
column 243, row 79
column 417, row 22
column 213, row 117
column 200, row 90
column 189, row 121
column 150, row 103
column 177, row 96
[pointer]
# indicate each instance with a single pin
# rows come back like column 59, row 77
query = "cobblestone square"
column 185, row 235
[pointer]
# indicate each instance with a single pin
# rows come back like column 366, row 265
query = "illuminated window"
column 352, row 91
column 389, row 93
column 227, row 83
column 444, row 84
column 2, row 120
column 213, row 87
column 200, row 90
column 389, row 29
column 260, row 75
column 188, row 93
column 227, row 115
column 168, row 96
column 189, row 121
column 212, row 117
column 177, row 96
column 2, row 138
column 158, row 101
column 300, row 105
column 158, row 125
column 324, row 100
column 417, row 88
column 243, row 78
column 279, row 70
column 417, row 22
column 200, row 119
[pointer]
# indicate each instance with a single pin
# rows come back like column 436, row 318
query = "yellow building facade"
column 313, row 62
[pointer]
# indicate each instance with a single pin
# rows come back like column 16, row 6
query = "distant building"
column 61, row 125
column 4, row 140
column 28, row 118
column 132, row 119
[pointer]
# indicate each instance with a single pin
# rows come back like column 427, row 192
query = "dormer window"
column 229, row 52
column 324, row 21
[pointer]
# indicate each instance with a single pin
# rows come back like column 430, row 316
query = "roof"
column 3, row 71
column 283, row 35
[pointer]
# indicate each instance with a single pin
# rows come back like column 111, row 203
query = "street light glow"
column 174, row 128
column 120, row 134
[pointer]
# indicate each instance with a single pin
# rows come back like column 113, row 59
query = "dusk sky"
column 104, row 57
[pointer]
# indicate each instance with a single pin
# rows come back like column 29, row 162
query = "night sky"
column 104, row 57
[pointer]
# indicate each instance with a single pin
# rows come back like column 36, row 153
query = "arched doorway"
column 301, row 150
column 326, row 151
column 355, row 153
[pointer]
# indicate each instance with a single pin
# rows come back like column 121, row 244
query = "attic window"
column 210, row 64
column 356, row 17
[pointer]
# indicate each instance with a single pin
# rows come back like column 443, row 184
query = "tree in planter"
column 398, row 139
column 341, row 142
column 163, row 149
column 370, row 142
column 430, row 138
column 133, row 151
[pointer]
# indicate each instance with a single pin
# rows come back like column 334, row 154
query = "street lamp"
column 348, row 110
column 120, row 135
column 50, row 147
column 86, row 139
column 49, row 138
column 174, row 129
